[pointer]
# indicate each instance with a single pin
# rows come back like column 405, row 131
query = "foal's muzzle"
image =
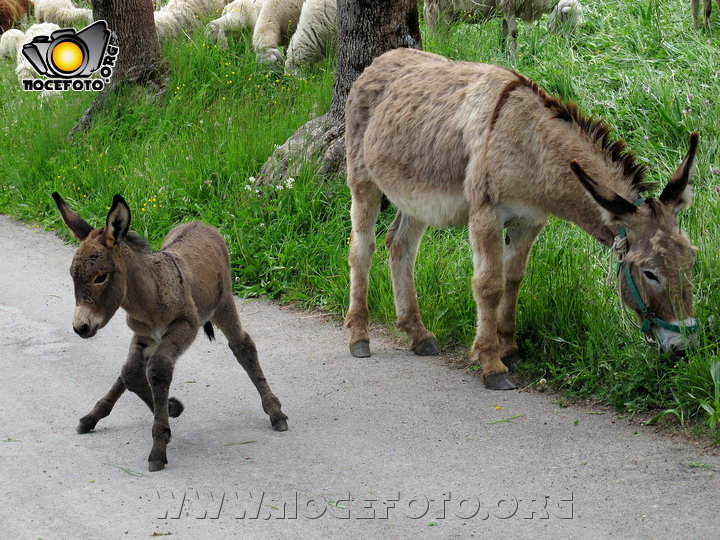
column 85, row 330
column 86, row 322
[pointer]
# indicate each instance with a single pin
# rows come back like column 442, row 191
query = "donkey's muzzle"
column 677, row 344
column 85, row 330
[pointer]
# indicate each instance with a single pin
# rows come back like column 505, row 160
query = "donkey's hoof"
column 498, row 381
column 280, row 425
column 427, row 347
column 175, row 407
column 156, row 465
column 360, row 349
column 512, row 360
column 86, row 424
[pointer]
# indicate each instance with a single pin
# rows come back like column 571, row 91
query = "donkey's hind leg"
column 519, row 239
column 402, row 240
column 363, row 213
column 227, row 320
column 102, row 408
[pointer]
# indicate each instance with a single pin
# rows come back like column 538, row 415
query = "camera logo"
column 68, row 58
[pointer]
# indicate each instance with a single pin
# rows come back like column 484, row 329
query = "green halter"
column 648, row 319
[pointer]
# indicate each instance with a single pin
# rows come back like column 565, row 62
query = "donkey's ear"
column 617, row 207
column 75, row 223
column 117, row 222
column 678, row 193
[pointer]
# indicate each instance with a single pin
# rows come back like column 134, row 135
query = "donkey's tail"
column 209, row 332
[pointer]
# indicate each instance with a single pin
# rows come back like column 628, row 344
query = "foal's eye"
column 650, row 275
column 100, row 279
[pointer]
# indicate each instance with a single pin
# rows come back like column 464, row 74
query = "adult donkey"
column 167, row 295
column 451, row 143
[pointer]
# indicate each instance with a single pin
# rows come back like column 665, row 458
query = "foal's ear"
column 678, row 193
column 75, row 223
column 117, row 222
column 616, row 206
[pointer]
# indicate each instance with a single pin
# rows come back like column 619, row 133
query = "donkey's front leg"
column 102, row 408
column 134, row 374
column 488, row 284
column 159, row 372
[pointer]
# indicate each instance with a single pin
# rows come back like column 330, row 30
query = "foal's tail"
column 209, row 332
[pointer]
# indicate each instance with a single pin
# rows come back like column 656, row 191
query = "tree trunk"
column 140, row 60
column 366, row 29
column 134, row 23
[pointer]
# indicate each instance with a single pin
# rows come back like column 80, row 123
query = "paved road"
column 394, row 446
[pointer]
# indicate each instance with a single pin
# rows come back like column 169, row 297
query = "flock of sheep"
column 306, row 28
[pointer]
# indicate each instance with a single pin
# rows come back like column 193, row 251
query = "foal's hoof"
column 498, row 381
column 86, row 424
column 175, row 407
column 155, row 465
column 512, row 360
column 360, row 349
column 427, row 347
column 280, row 425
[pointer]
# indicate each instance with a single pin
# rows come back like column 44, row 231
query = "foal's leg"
column 488, row 284
column 134, row 374
column 102, row 408
column 159, row 374
column 363, row 213
column 402, row 240
column 227, row 320
column 519, row 240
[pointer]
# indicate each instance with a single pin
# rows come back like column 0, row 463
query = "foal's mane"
column 133, row 241
column 595, row 128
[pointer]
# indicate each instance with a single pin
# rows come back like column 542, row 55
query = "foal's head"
column 96, row 269
column 657, row 258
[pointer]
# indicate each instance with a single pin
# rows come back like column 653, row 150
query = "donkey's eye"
column 100, row 279
column 650, row 275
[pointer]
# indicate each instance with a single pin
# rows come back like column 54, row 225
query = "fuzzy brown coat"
column 453, row 143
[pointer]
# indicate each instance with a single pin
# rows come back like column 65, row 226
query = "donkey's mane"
column 597, row 130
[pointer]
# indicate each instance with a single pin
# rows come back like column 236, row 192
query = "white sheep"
column 178, row 16
column 274, row 27
column 237, row 16
column 567, row 14
column 24, row 69
column 316, row 30
column 438, row 13
column 62, row 12
column 10, row 43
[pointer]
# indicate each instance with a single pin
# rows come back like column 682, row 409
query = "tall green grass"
column 192, row 155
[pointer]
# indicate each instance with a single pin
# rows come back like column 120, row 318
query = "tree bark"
column 366, row 29
column 134, row 23
column 139, row 61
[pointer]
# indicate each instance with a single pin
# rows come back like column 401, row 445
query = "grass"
column 192, row 155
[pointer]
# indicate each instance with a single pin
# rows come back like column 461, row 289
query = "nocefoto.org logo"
column 68, row 59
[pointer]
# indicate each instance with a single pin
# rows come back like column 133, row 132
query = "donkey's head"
column 656, row 257
column 96, row 269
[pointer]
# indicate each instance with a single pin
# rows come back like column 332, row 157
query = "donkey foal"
column 167, row 295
